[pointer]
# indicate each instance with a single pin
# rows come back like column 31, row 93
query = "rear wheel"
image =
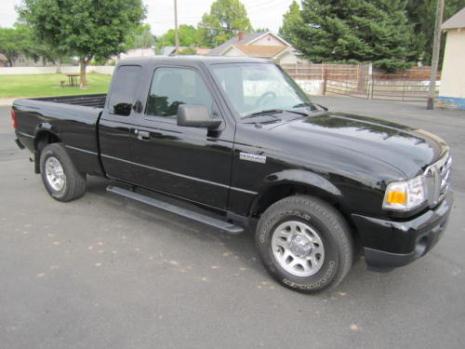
column 59, row 175
column 305, row 244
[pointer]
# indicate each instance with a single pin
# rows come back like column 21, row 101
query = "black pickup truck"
column 235, row 143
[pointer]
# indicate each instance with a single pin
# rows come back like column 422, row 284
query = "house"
column 24, row 61
column 168, row 51
column 260, row 45
column 452, row 90
column 138, row 52
column 202, row 51
column 171, row 51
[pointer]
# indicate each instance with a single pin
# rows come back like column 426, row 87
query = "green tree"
column 86, row 28
column 188, row 36
column 14, row 42
column 356, row 31
column 421, row 14
column 225, row 19
column 20, row 40
column 140, row 37
column 292, row 20
column 38, row 50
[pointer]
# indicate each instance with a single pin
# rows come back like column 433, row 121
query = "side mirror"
column 196, row 116
column 123, row 109
column 138, row 107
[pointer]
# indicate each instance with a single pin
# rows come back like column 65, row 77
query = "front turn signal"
column 405, row 196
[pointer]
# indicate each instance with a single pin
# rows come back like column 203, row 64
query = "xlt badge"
column 253, row 157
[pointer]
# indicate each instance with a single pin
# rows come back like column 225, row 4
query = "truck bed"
column 94, row 100
column 73, row 119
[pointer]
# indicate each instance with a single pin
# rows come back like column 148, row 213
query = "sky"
column 160, row 13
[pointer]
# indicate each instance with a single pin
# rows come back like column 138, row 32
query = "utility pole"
column 436, row 51
column 176, row 34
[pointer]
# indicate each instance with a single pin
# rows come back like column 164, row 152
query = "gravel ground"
column 104, row 272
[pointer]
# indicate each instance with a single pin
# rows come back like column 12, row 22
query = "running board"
column 184, row 212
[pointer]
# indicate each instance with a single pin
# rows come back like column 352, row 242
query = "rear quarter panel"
column 74, row 125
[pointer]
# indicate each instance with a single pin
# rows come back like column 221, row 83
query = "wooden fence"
column 353, row 72
column 361, row 80
column 318, row 71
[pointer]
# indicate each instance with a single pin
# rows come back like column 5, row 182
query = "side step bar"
column 184, row 212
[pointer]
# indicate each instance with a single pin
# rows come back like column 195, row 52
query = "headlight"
column 405, row 196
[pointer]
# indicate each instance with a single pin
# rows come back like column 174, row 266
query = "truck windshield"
column 254, row 88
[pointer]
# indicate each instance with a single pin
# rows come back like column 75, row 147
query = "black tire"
column 332, row 230
column 75, row 183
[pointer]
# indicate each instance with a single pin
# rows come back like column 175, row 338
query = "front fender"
column 312, row 182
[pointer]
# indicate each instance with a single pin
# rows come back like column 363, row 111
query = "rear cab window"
column 124, row 89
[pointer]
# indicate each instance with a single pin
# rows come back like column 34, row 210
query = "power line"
column 254, row 8
column 266, row 4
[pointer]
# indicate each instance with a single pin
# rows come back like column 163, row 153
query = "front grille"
column 437, row 179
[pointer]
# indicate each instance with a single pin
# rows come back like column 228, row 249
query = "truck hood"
column 346, row 137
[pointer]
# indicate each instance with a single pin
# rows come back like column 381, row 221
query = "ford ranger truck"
column 235, row 144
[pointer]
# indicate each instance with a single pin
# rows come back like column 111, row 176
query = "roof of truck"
column 191, row 59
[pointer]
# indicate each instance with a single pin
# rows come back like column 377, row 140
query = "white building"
column 259, row 45
column 452, row 91
column 138, row 52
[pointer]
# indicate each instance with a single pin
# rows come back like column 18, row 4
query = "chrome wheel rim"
column 55, row 174
column 298, row 248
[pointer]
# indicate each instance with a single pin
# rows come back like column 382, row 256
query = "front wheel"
column 61, row 179
column 305, row 244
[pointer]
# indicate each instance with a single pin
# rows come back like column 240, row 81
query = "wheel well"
column 281, row 191
column 42, row 139
column 278, row 192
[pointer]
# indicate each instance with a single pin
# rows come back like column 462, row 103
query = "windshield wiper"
column 304, row 104
column 321, row 106
column 311, row 105
column 262, row 112
column 296, row 112
column 274, row 111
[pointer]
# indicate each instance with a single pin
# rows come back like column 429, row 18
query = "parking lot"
column 104, row 272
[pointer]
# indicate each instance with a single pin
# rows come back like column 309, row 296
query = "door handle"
column 142, row 134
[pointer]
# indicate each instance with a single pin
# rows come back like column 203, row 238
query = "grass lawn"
column 46, row 85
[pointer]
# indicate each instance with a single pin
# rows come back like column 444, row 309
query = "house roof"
column 217, row 51
column 261, row 51
column 456, row 21
column 3, row 58
column 171, row 50
column 168, row 50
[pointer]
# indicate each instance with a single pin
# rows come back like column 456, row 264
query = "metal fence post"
column 371, row 81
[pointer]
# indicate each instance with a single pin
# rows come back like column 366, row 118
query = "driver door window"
column 172, row 87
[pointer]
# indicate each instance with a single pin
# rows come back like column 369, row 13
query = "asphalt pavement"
column 105, row 272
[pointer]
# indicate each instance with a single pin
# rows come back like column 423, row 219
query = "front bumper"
column 388, row 244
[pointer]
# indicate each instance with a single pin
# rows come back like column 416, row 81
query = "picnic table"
column 73, row 79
